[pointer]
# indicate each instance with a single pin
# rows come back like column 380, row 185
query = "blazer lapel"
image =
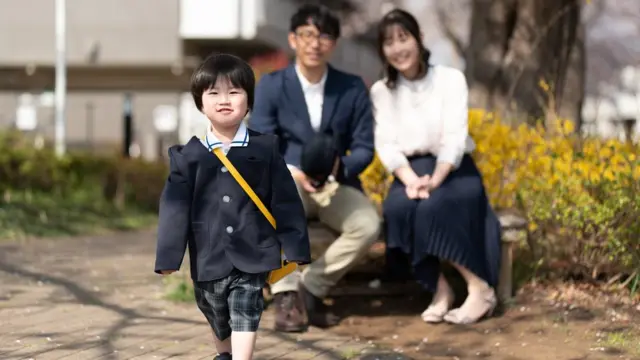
column 331, row 92
column 194, row 148
column 208, row 163
column 295, row 96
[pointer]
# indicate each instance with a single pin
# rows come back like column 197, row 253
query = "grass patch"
column 31, row 214
column 179, row 287
column 350, row 354
column 625, row 341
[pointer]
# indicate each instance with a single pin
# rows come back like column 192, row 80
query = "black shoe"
column 318, row 313
column 223, row 356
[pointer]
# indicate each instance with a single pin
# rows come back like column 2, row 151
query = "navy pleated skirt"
column 455, row 224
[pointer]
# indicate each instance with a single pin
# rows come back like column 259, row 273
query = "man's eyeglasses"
column 308, row 36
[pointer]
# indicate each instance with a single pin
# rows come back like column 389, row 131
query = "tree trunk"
column 526, row 58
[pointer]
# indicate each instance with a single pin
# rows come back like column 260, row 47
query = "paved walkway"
column 97, row 298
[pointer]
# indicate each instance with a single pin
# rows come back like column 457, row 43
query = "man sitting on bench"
column 318, row 110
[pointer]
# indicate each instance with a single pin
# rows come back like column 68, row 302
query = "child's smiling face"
column 224, row 104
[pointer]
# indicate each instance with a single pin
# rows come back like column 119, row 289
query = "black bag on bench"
column 318, row 158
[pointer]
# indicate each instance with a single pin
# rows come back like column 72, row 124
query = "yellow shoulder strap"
column 236, row 175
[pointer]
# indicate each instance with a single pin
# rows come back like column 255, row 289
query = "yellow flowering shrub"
column 582, row 192
column 376, row 181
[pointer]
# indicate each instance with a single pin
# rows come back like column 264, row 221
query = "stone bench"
column 513, row 229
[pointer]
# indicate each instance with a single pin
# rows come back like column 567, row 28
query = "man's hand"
column 167, row 272
column 302, row 178
column 286, row 262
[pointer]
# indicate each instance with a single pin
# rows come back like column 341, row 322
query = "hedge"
column 23, row 167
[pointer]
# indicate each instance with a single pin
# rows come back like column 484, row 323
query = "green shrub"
column 45, row 195
column 22, row 167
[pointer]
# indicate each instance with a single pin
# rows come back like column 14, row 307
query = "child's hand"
column 167, row 272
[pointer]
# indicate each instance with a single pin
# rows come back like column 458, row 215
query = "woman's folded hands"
column 420, row 187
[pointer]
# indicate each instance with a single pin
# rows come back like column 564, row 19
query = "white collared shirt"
column 314, row 97
column 241, row 138
column 429, row 115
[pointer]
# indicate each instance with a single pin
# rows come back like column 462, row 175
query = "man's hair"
column 227, row 66
column 318, row 15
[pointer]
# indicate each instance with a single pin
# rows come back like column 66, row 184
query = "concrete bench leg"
column 512, row 227
column 505, row 283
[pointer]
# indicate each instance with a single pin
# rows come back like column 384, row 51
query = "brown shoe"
column 290, row 316
column 318, row 313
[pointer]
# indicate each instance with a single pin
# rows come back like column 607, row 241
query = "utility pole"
column 61, row 77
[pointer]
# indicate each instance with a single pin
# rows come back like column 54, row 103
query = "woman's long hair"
column 410, row 25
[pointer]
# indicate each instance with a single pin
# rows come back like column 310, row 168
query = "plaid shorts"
column 233, row 303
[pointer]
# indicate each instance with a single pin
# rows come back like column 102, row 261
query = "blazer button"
column 224, row 169
column 226, row 198
column 229, row 229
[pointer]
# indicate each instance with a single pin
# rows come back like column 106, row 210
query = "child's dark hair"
column 409, row 23
column 228, row 66
column 319, row 16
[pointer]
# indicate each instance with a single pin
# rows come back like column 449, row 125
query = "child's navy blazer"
column 203, row 206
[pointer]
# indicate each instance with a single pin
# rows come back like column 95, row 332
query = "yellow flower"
column 605, row 153
column 568, row 127
column 543, row 85
column 609, row 175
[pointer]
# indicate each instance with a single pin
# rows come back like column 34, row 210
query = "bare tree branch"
column 534, row 45
column 594, row 12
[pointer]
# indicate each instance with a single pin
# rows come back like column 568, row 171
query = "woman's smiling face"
column 401, row 50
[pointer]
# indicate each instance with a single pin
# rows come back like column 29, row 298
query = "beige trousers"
column 348, row 212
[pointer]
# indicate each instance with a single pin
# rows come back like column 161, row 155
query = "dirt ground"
column 564, row 322
column 109, row 277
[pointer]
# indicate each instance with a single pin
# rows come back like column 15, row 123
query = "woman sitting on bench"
column 436, row 209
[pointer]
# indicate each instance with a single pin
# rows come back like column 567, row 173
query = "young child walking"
column 232, row 244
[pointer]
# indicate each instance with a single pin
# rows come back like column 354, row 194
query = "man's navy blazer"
column 202, row 206
column 280, row 109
